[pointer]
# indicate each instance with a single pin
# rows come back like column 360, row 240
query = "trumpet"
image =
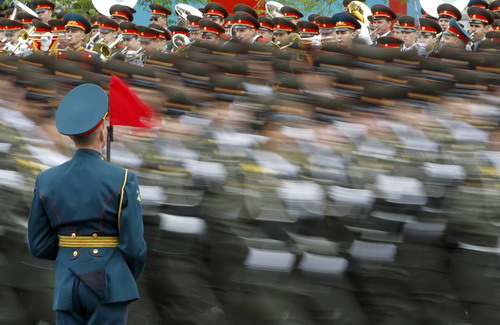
column 139, row 54
column 92, row 41
column 106, row 50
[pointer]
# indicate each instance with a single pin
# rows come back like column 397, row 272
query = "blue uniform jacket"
column 82, row 197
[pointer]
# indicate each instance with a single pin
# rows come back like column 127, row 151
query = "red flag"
column 125, row 108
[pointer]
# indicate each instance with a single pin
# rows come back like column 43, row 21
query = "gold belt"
column 88, row 241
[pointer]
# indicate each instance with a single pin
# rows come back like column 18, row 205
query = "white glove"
column 364, row 34
column 45, row 41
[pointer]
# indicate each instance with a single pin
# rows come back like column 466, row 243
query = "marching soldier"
column 429, row 29
column 108, row 30
column 133, row 50
column 211, row 32
column 446, row 12
column 26, row 19
column 12, row 29
column 120, row 13
column 194, row 28
column 345, row 26
column 409, row 36
column 246, row 27
column 282, row 31
column 159, row 15
column 382, row 20
column 266, row 28
column 215, row 12
column 326, row 29
column 77, row 26
column 150, row 40
column 44, row 9
column 479, row 23
column 455, row 36
column 291, row 14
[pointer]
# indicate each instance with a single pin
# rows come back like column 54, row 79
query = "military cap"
column 260, row 50
column 281, row 25
column 454, row 29
column 493, row 35
column 426, row 14
column 227, row 87
column 479, row 15
column 265, row 24
column 496, row 25
column 229, row 21
column 57, row 26
column 245, row 8
column 82, row 110
column 129, row 30
column 494, row 14
column 193, row 23
column 407, row 23
column 8, row 12
column 11, row 26
column 389, row 41
column 40, row 89
column 93, row 20
column 447, row 10
column 346, row 3
column 163, row 33
column 307, row 28
column 345, row 21
column 478, row 3
column 312, row 18
column 495, row 5
column 25, row 18
column 75, row 20
column 157, row 10
column 41, row 27
column 429, row 26
column 120, row 11
column 179, row 104
column 147, row 34
column 245, row 20
column 380, row 11
column 209, row 27
column 42, row 5
column 215, row 9
column 291, row 13
column 107, row 25
column 325, row 24
column 175, row 29
column 60, row 15
column 165, row 61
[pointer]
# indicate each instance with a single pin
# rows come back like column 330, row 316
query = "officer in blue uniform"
column 86, row 214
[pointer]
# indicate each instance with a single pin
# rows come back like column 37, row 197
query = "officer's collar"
column 88, row 152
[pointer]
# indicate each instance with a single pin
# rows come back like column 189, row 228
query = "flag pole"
column 108, row 143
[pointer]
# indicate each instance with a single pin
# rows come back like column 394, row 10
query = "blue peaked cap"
column 82, row 110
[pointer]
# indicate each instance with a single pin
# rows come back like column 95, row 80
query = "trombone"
column 23, row 38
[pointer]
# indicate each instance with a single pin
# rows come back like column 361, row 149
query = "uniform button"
column 73, row 235
column 95, row 251
column 75, row 253
column 94, row 235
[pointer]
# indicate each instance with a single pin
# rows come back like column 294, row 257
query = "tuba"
column 182, row 11
column 361, row 11
column 273, row 9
